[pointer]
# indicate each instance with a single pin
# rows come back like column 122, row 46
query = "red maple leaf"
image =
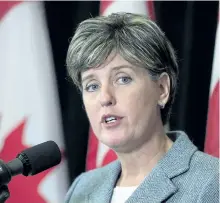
column 22, row 189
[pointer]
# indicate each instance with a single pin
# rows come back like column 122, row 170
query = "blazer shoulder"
column 208, row 171
column 97, row 174
column 210, row 190
column 72, row 188
column 87, row 180
column 204, row 164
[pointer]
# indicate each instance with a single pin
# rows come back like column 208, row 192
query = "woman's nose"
column 107, row 97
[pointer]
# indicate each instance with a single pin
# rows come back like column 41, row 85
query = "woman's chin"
column 114, row 142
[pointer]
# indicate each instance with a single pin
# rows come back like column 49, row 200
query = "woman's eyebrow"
column 88, row 77
column 121, row 67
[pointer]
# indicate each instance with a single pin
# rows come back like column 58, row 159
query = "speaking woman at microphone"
column 127, row 71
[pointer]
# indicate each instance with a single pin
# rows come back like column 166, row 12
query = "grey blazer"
column 183, row 175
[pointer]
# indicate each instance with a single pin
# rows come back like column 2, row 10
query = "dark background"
column 191, row 28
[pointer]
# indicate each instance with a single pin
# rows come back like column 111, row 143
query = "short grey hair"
column 135, row 37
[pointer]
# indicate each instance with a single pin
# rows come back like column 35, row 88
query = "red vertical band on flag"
column 104, row 5
column 5, row 6
column 212, row 138
column 212, row 130
column 150, row 8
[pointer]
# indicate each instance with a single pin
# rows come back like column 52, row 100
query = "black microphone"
column 31, row 161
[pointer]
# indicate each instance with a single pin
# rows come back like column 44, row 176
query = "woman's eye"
column 91, row 88
column 124, row 80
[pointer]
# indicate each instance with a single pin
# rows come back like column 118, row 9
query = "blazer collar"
column 158, row 185
column 104, row 190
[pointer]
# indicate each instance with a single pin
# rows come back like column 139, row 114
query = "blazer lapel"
column 103, row 192
column 158, row 186
column 154, row 189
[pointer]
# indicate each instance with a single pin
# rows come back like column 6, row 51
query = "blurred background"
column 38, row 102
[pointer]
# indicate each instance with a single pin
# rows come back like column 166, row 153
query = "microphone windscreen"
column 40, row 157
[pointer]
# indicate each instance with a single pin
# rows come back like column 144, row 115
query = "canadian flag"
column 29, row 112
column 99, row 154
column 212, row 134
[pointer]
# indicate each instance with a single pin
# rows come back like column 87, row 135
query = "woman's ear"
column 164, row 86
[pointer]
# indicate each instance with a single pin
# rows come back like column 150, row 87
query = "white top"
column 121, row 194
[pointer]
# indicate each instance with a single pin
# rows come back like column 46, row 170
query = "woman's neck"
column 139, row 163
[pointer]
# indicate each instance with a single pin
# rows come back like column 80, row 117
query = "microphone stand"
column 4, row 193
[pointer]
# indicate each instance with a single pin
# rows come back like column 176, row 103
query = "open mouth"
column 111, row 119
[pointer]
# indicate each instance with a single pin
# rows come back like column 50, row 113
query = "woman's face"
column 121, row 102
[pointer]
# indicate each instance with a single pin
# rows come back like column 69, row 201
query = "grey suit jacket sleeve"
column 210, row 192
column 71, row 189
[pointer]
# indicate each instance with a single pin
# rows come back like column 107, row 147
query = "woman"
column 126, row 70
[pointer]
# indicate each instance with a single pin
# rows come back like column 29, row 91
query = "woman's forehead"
column 111, row 63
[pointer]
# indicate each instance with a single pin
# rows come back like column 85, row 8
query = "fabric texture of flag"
column 212, row 134
column 29, row 110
